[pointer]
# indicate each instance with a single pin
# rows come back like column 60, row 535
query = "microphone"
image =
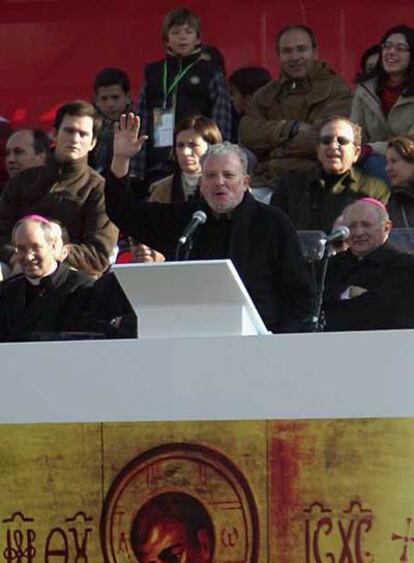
column 199, row 218
column 340, row 233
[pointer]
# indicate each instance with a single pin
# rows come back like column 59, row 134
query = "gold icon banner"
column 278, row 491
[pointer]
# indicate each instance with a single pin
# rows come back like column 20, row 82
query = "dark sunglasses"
column 329, row 139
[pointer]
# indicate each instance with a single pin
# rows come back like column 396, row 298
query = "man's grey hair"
column 48, row 227
column 377, row 206
column 226, row 148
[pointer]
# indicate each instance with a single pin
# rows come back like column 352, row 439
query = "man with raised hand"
column 259, row 239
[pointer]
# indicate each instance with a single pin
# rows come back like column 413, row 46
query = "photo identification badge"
column 163, row 127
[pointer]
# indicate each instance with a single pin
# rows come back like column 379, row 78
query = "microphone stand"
column 186, row 248
column 318, row 317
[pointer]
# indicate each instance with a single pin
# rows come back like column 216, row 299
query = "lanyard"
column 178, row 77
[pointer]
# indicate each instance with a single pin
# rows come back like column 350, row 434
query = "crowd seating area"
column 258, row 166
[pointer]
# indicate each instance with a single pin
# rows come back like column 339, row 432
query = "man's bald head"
column 26, row 148
column 369, row 225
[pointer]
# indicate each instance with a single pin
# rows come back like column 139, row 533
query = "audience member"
column 61, row 244
column 384, row 104
column 66, row 189
column 48, row 296
column 181, row 85
column 259, row 239
column 368, row 63
column 280, row 123
column 313, row 200
column 370, row 285
column 26, row 148
column 243, row 83
column 112, row 98
column 5, row 131
column 192, row 137
column 400, row 169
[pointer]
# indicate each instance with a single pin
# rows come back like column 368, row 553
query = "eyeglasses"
column 399, row 47
column 329, row 139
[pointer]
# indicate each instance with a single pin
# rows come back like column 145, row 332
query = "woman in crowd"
column 400, row 170
column 192, row 136
column 243, row 83
column 384, row 104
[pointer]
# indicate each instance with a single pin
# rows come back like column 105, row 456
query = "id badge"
column 163, row 127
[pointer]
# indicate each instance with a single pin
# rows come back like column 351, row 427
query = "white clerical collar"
column 37, row 281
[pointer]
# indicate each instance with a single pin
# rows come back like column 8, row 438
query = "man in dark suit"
column 370, row 286
column 48, row 296
column 260, row 240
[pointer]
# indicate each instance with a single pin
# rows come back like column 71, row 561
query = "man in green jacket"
column 281, row 121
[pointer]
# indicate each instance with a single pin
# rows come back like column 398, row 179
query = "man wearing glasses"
column 383, row 104
column 313, row 200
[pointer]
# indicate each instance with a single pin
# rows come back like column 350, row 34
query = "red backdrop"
column 53, row 48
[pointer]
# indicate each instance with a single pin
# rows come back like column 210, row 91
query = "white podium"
column 200, row 298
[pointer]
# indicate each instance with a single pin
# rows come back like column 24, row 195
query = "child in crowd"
column 243, row 83
column 176, row 87
column 112, row 98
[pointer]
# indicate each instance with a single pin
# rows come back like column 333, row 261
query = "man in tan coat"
column 281, row 122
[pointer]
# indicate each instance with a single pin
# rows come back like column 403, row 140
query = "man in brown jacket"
column 281, row 122
column 66, row 189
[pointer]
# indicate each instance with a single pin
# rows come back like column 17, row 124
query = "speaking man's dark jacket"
column 387, row 274
column 33, row 313
column 260, row 241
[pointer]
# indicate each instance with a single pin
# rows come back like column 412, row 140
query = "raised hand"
column 127, row 143
column 126, row 140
